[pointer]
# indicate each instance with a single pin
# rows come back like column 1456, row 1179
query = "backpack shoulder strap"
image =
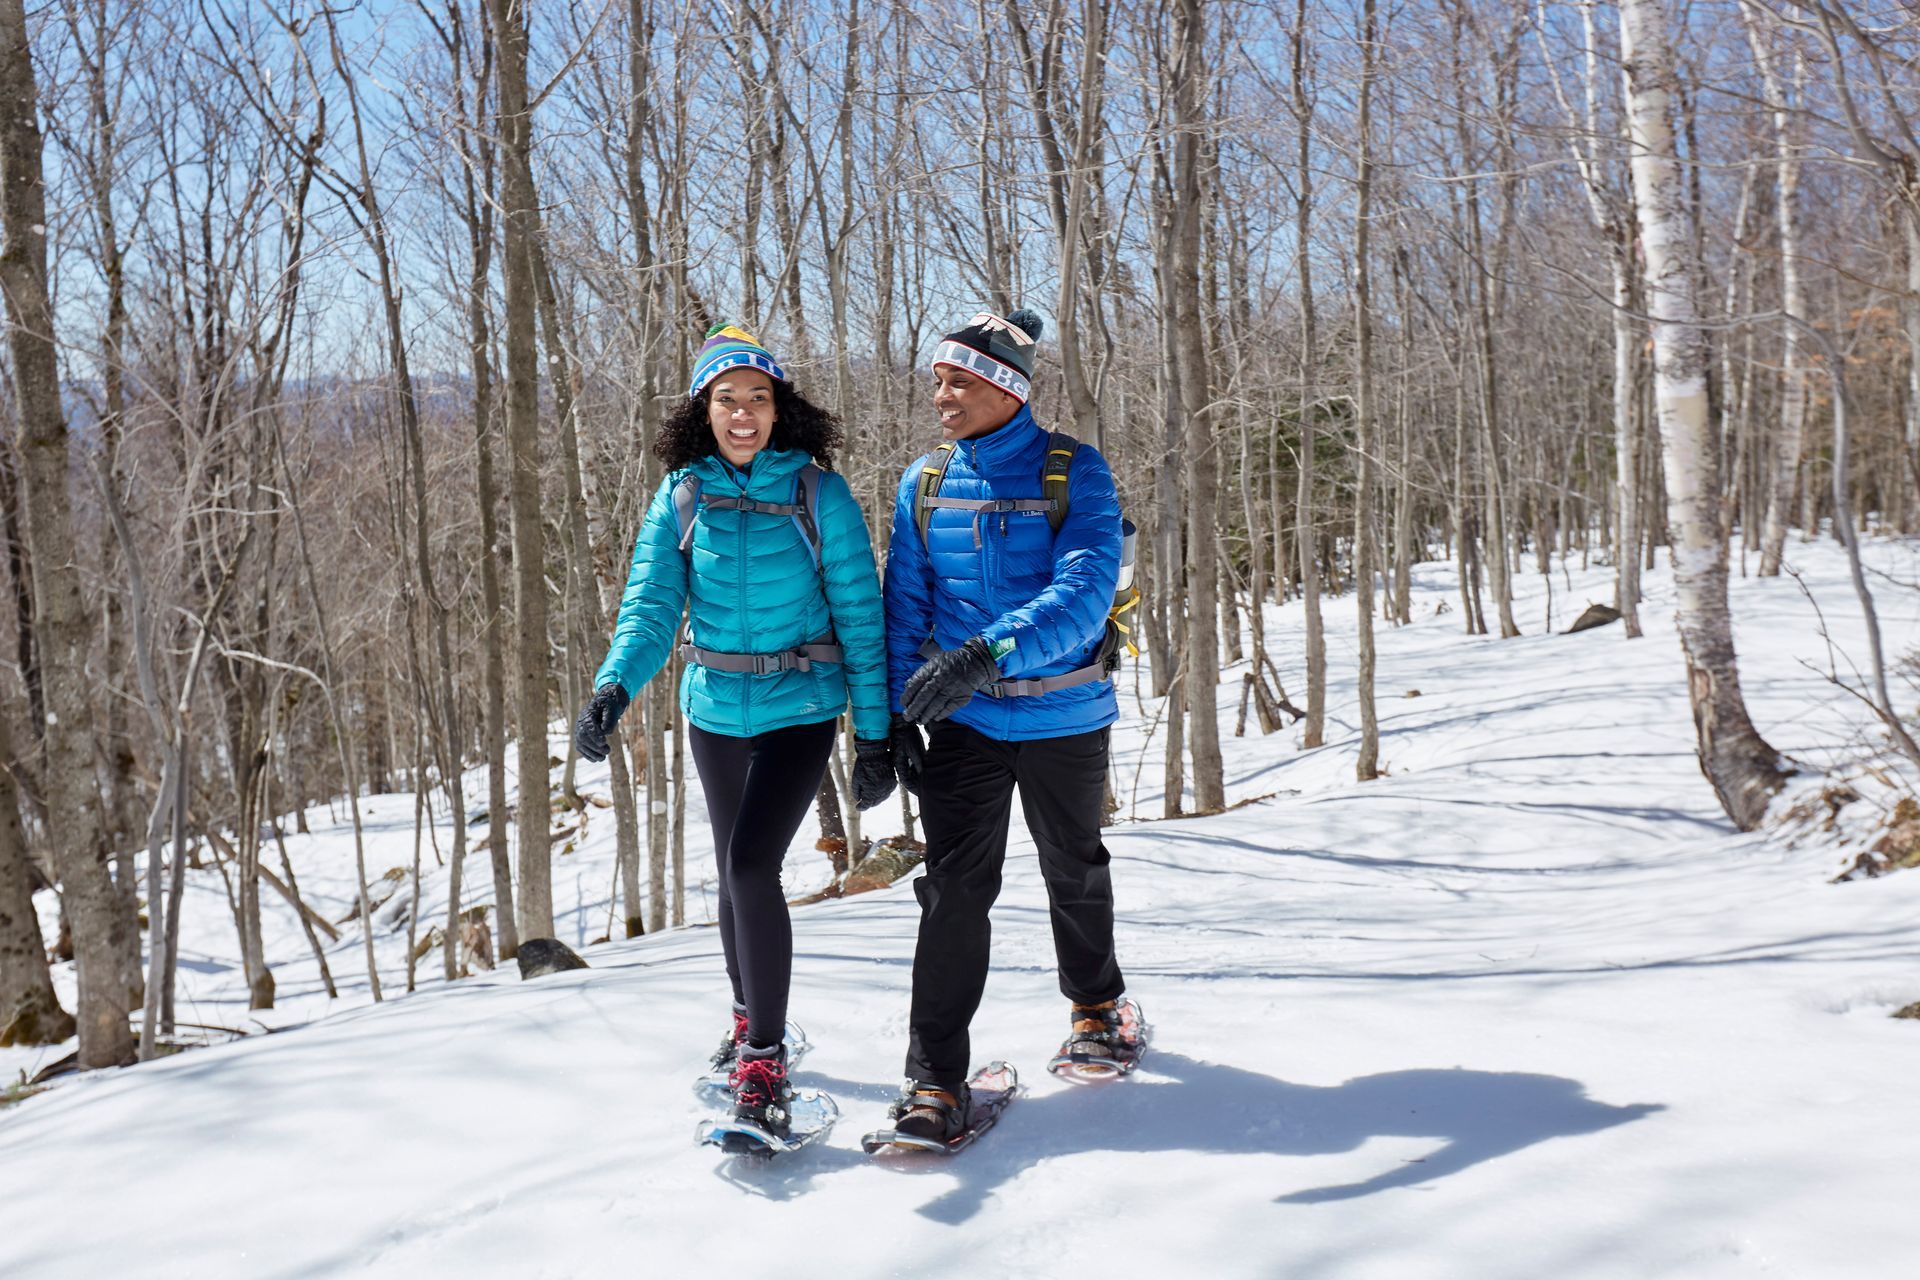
column 686, row 501
column 1053, row 475
column 806, row 500
column 931, row 473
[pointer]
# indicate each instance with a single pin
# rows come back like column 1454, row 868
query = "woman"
column 766, row 549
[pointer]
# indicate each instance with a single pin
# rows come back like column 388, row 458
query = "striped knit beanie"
column 998, row 349
column 728, row 346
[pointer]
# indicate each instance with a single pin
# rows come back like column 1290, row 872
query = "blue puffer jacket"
column 1038, row 599
column 753, row 588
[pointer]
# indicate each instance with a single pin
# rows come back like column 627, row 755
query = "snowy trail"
column 1526, row 1006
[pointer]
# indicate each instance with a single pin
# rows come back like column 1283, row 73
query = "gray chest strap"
column 1038, row 685
column 984, row 507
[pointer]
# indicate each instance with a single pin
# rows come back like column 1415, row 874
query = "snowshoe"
column 1105, row 1043
column 764, row 1106
column 810, row 1117
column 712, row 1087
column 923, row 1122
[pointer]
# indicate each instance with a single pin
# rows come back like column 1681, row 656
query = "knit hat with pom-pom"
column 996, row 348
column 728, row 346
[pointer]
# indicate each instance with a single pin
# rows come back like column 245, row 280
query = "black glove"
column 948, row 680
column 596, row 722
column 909, row 754
column 872, row 771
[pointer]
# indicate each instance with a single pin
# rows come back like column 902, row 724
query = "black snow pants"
column 966, row 798
column 758, row 791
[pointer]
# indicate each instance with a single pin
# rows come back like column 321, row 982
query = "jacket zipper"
column 746, row 614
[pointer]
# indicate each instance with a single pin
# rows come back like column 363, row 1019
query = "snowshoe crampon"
column 991, row 1089
column 713, row 1089
column 810, row 1118
column 1108, row 1053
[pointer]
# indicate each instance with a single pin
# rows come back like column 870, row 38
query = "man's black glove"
column 948, row 680
column 596, row 722
column 872, row 771
column 909, row 754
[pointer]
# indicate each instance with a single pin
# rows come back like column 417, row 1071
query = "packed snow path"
column 1525, row 1007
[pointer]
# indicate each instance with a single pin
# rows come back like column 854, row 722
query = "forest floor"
column 1526, row 1006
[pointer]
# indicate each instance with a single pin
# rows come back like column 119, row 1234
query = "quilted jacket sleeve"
column 853, row 598
column 1069, row 613
column 655, row 598
column 909, row 590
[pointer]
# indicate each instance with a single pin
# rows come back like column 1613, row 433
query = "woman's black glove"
column 596, row 722
column 872, row 771
column 909, row 754
column 948, row 680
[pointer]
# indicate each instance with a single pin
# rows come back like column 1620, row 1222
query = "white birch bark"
column 1784, row 469
column 1743, row 768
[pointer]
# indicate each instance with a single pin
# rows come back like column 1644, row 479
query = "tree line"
column 337, row 337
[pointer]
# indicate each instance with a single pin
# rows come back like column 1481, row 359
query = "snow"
column 1525, row 1006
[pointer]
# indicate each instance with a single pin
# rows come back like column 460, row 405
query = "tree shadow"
column 1182, row 1104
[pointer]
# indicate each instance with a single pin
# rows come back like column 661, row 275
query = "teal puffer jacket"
column 749, row 585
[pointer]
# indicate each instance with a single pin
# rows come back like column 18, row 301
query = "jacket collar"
column 771, row 473
column 1005, row 446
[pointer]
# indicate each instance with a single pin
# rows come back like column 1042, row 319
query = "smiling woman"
column 735, row 377
column 754, row 538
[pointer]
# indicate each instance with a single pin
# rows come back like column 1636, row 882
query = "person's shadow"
column 1479, row 1115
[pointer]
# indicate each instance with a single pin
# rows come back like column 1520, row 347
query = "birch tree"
column 1743, row 769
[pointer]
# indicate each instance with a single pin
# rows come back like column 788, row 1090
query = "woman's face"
column 740, row 410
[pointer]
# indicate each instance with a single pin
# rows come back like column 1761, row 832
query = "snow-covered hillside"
column 1525, row 1007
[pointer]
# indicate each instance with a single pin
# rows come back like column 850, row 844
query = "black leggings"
column 758, row 790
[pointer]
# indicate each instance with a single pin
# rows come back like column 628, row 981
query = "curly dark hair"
column 798, row 423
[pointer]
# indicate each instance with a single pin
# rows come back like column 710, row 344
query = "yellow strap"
column 1056, row 477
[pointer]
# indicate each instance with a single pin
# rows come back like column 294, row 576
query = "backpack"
column 687, row 501
column 1055, row 501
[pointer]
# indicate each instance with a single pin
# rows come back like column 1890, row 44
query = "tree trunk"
column 30, row 1012
column 1743, row 768
column 99, row 913
column 1784, row 473
column 1367, row 767
column 1306, row 536
column 1202, row 665
column 520, row 214
column 477, row 205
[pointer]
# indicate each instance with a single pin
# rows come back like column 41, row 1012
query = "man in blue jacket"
column 995, row 623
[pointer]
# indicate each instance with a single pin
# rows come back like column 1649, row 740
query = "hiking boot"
column 929, row 1112
column 1096, row 1031
column 730, row 1043
column 761, row 1094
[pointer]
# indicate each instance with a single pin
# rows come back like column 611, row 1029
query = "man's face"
column 969, row 405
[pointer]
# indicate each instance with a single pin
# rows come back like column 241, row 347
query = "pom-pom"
column 1029, row 322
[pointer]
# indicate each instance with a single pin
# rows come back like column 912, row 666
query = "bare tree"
column 520, row 217
column 1784, row 474
column 30, row 1011
column 1367, row 766
column 97, row 910
column 1744, row 770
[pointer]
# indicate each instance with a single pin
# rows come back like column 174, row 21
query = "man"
column 995, row 627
